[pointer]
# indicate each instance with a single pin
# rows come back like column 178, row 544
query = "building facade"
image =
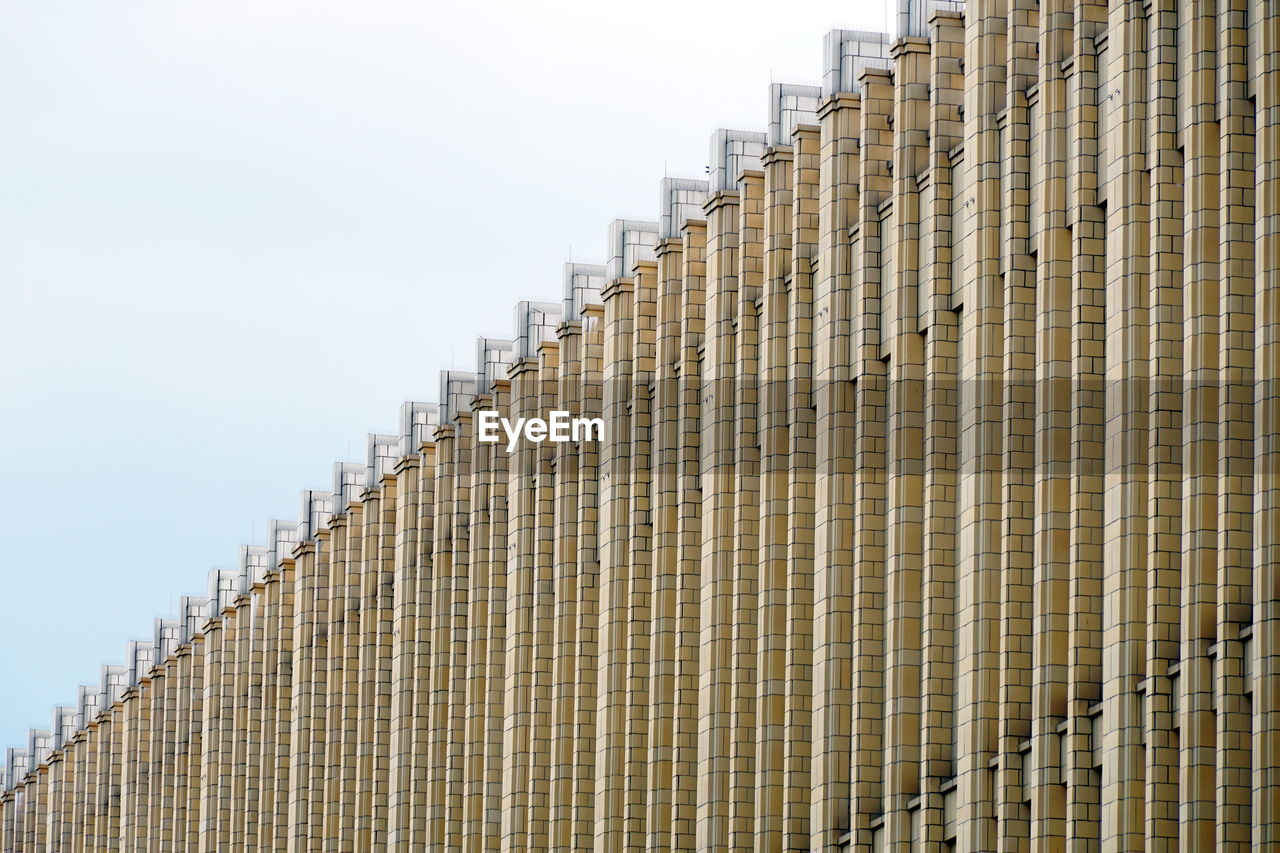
column 936, row 507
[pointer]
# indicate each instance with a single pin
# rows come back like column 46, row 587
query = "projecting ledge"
column 617, row 287
column 908, row 45
column 839, row 101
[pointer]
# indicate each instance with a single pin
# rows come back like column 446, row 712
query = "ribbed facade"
column 936, row 507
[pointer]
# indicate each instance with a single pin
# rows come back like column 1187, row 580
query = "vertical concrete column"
column 1201, row 138
column 301, row 688
column 772, row 751
column 246, row 712
column 746, row 498
column 279, row 603
column 1237, row 311
column 1018, row 428
column 941, row 204
column 405, row 723
column 798, row 743
column 518, row 768
column 39, row 781
column 615, row 473
column 66, row 723
column 460, row 654
column 640, row 531
column 1164, row 490
column 15, row 771
column 565, row 687
column 1088, row 319
column 229, row 789
column 1054, row 386
column 345, row 572
column 693, row 259
column 253, row 713
column 110, row 758
column 903, row 347
column 839, row 199
column 494, row 541
column 158, row 801
column 664, row 785
column 310, row 659
column 132, row 734
column 187, row 751
column 449, row 606
column 716, row 748
column 373, row 710
column 30, row 810
column 1122, row 161
column 136, row 746
column 417, row 659
column 442, row 605
column 7, row 814
column 85, row 771
column 586, row 632
column 480, row 831
column 869, row 248
column 544, row 612
column 61, row 833
column 981, row 426
column 207, row 778
column 265, row 705
column 51, row 821
column 611, row 806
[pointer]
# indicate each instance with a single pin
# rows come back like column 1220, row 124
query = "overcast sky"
column 235, row 235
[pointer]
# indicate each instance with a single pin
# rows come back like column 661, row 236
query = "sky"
column 236, row 235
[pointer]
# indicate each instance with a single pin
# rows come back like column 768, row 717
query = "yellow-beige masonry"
column 937, row 507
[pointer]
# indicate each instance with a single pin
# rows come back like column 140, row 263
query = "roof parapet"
column 314, row 514
column 224, row 588
column 382, row 454
column 679, row 200
column 165, row 639
column 732, row 152
column 791, row 104
column 630, row 240
column 39, row 746
column 913, row 15
column 582, row 286
column 281, row 537
column 89, row 702
column 535, row 322
column 457, row 388
column 253, row 563
column 139, row 659
column 66, row 722
column 349, row 481
column 417, row 425
column 493, row 357
column 114, row 683
column 848, row 53
column 17, row 764
column 192, row 610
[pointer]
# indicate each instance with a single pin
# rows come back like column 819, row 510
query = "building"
column 936, row 506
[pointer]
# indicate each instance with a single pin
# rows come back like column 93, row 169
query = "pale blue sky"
column 235, row 235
